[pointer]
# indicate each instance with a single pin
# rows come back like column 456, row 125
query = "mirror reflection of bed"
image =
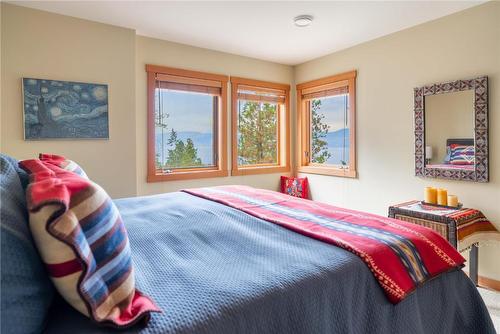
column 459, row 154
column 449, row 130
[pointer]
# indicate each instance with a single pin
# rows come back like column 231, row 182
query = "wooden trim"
column 337, row 85
column 303, row 125
column 327, row 80
column 234, row 128
column 279, row 127
column 189, row 169
column 259, row 84
column 352, row 125
column 259, row 170
column 324, row 93
column 187, row 80
column 283, row 154
column 215, row 129
column 287, row 126
column 186, row 73
column 220, row 169
column 262, row 90
column 223, row 130
column 489, row 283
column 190, row 88
column 187, row 175
column 327, row 170
column 299, row 153
column 151, row 125
column 486, row 282
column 261, row 98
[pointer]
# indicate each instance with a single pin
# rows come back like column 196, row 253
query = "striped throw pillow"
column 63, row 163
column 462, row 154
column 84, row 245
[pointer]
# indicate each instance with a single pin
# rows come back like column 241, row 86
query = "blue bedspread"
column 214, row 269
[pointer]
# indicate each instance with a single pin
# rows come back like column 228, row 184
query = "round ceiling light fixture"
column 303, row 20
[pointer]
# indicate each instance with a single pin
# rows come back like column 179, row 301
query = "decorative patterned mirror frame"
column 480, row 87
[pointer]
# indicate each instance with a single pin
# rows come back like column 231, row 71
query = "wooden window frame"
column 304, row 125
column 283, row 136
column 186, row 77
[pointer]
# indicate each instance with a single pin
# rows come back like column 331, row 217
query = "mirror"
column 449, row 126
column 451, row 130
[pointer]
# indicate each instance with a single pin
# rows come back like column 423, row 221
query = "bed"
column 215, row 269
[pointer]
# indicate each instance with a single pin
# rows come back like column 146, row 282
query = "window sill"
column 186, row 175
column 259, row 170
column 328, row 171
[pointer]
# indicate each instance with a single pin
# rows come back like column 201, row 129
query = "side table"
column 463, row 228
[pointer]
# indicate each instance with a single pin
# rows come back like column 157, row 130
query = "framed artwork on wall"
column 64, row 110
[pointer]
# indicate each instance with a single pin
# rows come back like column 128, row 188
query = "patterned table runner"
column 472, row 226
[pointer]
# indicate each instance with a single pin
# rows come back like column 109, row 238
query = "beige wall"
column 65, row 48
column 43, row 45
column 448, row 116
column 158, row 52
column 459, row 46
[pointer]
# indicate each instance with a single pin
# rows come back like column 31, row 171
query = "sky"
column 188, row 111
column 333, row 109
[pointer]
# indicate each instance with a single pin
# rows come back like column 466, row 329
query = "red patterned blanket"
column 400, row 255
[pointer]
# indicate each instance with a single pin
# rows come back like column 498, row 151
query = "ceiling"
column 259, row 29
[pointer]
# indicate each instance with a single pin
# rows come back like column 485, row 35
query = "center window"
column 257, row 133
column 260, row 135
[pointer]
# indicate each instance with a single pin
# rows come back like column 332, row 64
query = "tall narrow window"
column 326, row 109
column 187, row 117
column 260, row 141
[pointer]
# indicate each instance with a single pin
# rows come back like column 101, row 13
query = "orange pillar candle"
column 442, row 196
column 453, row 201
column 430, row 195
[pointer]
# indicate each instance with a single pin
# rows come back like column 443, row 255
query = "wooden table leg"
column 473, row 264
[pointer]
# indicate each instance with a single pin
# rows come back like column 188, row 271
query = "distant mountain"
column 336, row 146
column 335, row 139
column 203, row 142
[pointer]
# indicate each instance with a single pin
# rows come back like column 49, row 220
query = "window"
column 186, row 124
column 326, row 125
column 260, row 138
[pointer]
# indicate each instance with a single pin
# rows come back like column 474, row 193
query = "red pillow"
column 294, row 186
column 62, row 162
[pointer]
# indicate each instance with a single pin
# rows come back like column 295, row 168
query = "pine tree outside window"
column 187, row 124
column 326, row 126
column 260, row 118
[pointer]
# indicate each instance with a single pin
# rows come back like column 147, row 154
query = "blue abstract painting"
column 63, row 109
